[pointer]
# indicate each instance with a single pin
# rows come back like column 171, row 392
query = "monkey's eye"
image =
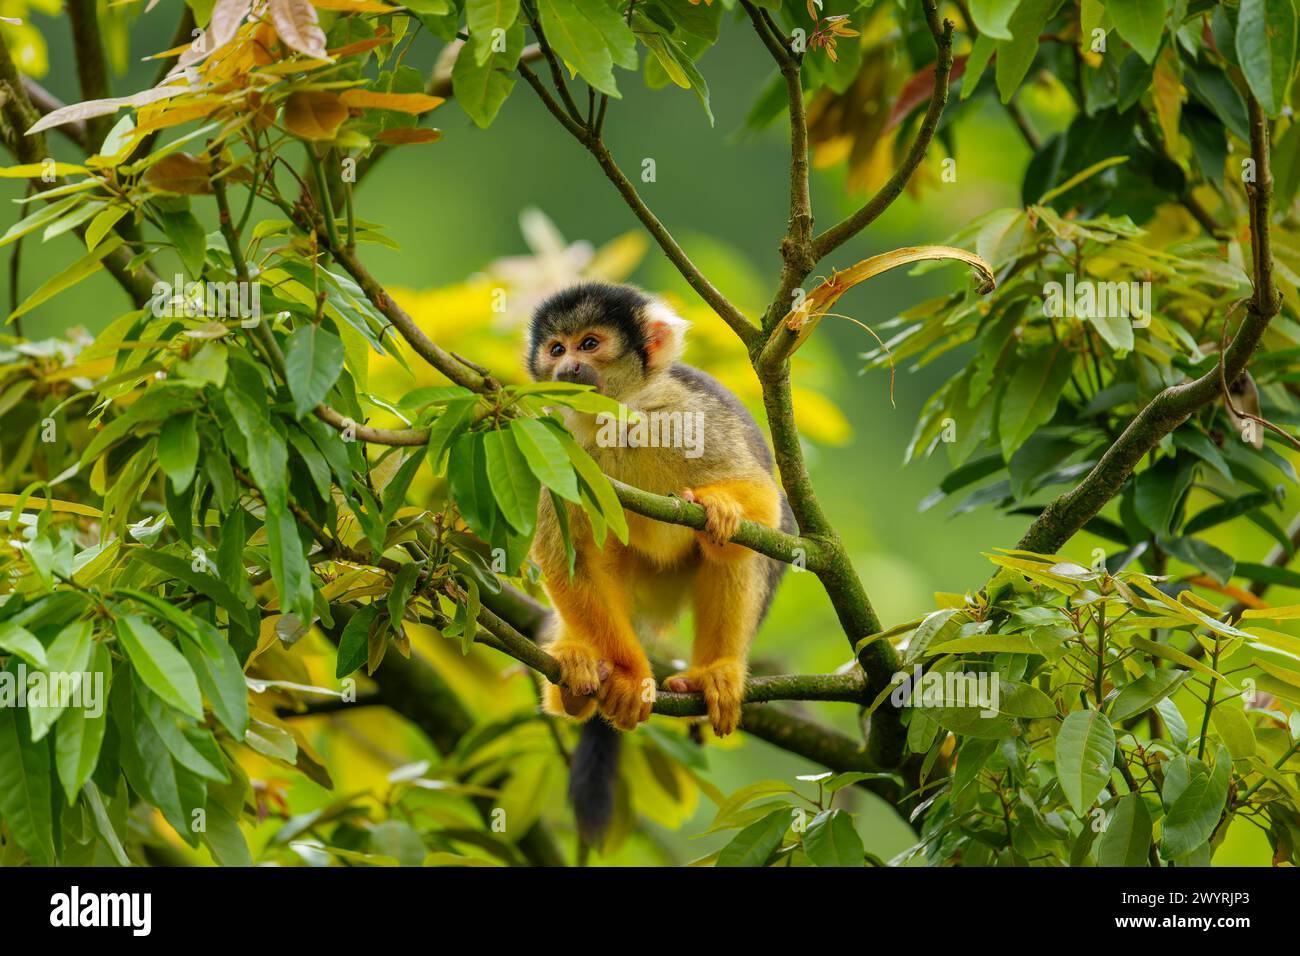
column 589, row 343
column 557, row 350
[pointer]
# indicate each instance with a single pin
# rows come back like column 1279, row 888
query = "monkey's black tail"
column 592, row 778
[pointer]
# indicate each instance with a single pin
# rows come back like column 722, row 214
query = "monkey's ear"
column 665, row 335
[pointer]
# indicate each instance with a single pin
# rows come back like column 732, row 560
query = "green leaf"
column 985, row 644
column 610, row 508
column 1140, row 22
column 992, row 17
column 579, row 42
column 455, row 418
column 289, row 567
column 25, row 794
column 161, row 667
column 20, row 641
column 1194, row 798
column 484, row 16
column 178, row 450
column 1016, row 699
column 81, row 730
column 66, row 659
column 187, row 235
column 1158, row 492
column 832, row 840
column 1266, row 49
column 313, row 360
column 1015, row 56
column 224, row 838
column 403, row 587
column 202, row 582
column 754, row 844
column 613, row 29
column 1031, row 395
column 470, row 489
column 354, row 641
column 395, row 490
column 546, row 457
column 85, row 266
column 481, row 80
column 1234, row 727
column 1085, row 753
column 513, row 485
column 1128, row 834
column 1145, row 692
column 268, row 458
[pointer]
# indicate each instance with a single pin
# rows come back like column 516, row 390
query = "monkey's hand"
column 581, row 668
column 627, row 694
column 722, row 515
column 722, row 683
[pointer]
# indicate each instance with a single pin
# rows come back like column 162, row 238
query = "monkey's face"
column 614, row 338
column 595, row 355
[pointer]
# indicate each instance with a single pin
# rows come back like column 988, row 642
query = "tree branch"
column 787, row 548
column 20, row 115
column 743, row 327
column 837, row 235
column 1066, row 514
column 92, row 68
column 46, row 102
column 850, row 687
column 453, row 368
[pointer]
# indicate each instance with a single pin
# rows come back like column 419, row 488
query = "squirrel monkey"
column 626, row 345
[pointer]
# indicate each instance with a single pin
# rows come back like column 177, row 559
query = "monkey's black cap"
column 618, row 307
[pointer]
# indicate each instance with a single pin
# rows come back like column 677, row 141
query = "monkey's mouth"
column 580, row 374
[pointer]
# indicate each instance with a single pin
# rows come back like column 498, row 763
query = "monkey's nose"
column 578, row 373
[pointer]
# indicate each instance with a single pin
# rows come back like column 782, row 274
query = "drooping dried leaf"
column 803, row 319
column 180, row 173
column 314, row 114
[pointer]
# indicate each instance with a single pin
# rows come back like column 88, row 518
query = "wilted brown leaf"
column 314, row 114
column 180, row 173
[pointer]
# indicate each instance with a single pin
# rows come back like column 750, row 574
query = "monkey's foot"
column 722, row 515
column 723, row 685
column 581, row 666
column 627, row 695
column 558, row 702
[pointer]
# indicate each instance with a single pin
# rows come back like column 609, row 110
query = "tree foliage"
column 221, row 489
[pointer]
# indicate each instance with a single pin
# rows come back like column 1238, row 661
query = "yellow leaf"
column 32, row 170
column 314, row 114
column 38, row 504
column 353, row 6
column 402, row 102
column 1287, row 613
